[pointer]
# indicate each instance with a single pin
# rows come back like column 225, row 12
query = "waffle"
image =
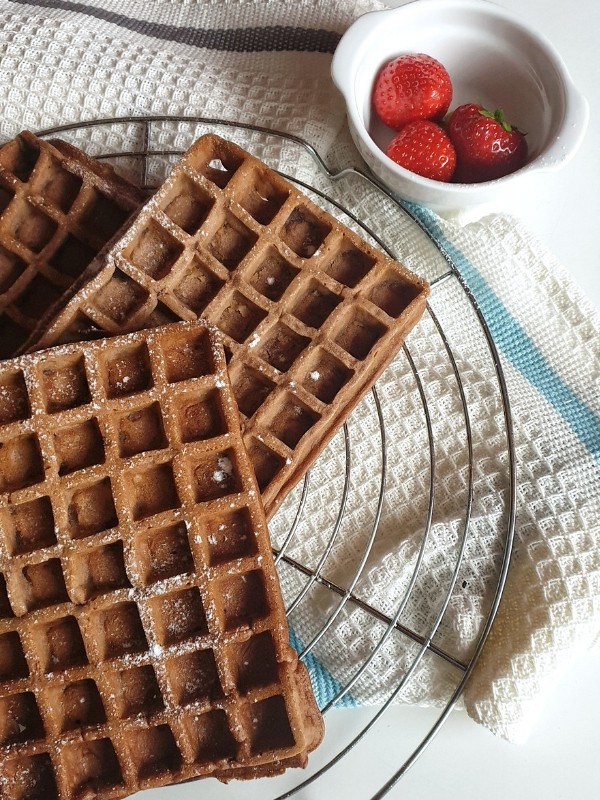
column 58, row 209
column 310, row 314
column 143, row 639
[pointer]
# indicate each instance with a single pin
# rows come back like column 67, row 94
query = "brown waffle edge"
column 311, row 314
column 59, row 211
column 143, row 638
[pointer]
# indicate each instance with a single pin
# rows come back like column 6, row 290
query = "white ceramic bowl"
column 493, row 59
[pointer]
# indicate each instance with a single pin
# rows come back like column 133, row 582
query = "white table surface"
column 561, row 759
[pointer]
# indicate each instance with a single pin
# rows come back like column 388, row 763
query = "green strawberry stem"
column 498, row 115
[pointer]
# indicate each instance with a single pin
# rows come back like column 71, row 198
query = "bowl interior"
column 491, row 61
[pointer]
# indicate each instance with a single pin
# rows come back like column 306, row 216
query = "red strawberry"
column 487, row 146
column 413, row 86
column 422, row 146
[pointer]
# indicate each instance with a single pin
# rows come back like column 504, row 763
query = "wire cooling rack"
column 391, row 555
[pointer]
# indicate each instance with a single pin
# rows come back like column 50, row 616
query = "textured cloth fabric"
column 267, row 64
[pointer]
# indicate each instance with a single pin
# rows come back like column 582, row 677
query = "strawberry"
column 423, row 146
column 487, row 146
column 412, row 86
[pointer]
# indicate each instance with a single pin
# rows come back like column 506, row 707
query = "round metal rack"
column 391, row 564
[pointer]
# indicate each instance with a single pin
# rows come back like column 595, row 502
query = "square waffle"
column 143, row 639
column 58, row 209
column 310, row 314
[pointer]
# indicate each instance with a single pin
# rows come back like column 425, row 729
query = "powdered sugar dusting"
column 225, row 470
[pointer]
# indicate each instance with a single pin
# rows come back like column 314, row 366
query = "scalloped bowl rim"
column 357, row 48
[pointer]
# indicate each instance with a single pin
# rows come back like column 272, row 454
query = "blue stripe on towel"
column 325, row 686
column 518, row 347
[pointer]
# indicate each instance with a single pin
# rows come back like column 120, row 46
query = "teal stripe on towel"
column 518, row 347
column 325, row 686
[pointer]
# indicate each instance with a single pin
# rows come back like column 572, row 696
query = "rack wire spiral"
column 421, row 587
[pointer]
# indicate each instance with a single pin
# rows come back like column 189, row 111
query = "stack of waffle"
column 171, row 371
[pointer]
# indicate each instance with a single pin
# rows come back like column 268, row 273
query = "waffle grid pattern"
column 58, row 209
column 310, row 314
column 142, row 634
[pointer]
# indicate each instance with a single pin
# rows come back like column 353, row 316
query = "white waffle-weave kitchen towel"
column 267, row 63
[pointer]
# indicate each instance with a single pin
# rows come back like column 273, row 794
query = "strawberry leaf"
column 498, row 116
